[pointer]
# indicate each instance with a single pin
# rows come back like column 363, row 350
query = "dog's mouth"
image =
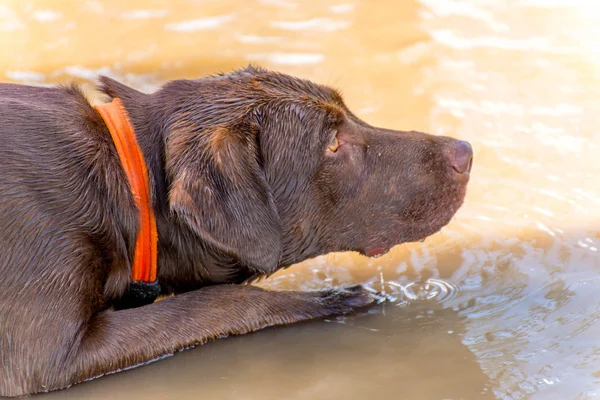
column 379, row 251
column 411, row 233
column 376, row 252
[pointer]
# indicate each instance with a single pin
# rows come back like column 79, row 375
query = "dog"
column 244, row 174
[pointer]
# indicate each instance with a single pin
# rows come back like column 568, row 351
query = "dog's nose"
column 463, row 157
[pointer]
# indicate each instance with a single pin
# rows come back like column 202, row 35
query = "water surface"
column 505, row 301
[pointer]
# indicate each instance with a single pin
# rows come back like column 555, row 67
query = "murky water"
column 505, row 301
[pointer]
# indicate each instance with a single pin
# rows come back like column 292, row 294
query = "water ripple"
column 199, row 24
column 432, row 289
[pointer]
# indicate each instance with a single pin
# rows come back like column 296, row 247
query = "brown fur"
column 242, row 185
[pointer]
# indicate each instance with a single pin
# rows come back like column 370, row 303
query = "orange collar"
column 115, row 116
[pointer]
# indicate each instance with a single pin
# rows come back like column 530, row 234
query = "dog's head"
column 272, row 170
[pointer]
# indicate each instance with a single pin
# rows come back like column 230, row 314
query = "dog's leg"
column 114, row 340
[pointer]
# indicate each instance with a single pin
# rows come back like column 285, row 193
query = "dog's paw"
column 345, row 299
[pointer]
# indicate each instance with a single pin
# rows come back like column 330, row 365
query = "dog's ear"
column 219, row 191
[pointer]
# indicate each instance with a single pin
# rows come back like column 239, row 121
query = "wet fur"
column 242, row 186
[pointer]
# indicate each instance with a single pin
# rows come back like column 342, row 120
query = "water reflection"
column 413, row 352
column 530, row 315
column 504, row 302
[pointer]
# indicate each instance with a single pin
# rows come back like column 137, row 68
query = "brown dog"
column 250, row 172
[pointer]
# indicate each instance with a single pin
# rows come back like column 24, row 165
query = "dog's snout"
column 461, row 158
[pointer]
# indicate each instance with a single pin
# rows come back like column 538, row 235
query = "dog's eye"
column 333, row 144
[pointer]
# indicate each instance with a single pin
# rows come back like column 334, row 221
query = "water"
column 505, row 301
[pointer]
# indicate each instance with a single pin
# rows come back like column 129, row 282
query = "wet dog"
column 248, row 173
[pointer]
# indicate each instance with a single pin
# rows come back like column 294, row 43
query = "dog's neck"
column 146, row 121
column 150, row 120
column 176, row 272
